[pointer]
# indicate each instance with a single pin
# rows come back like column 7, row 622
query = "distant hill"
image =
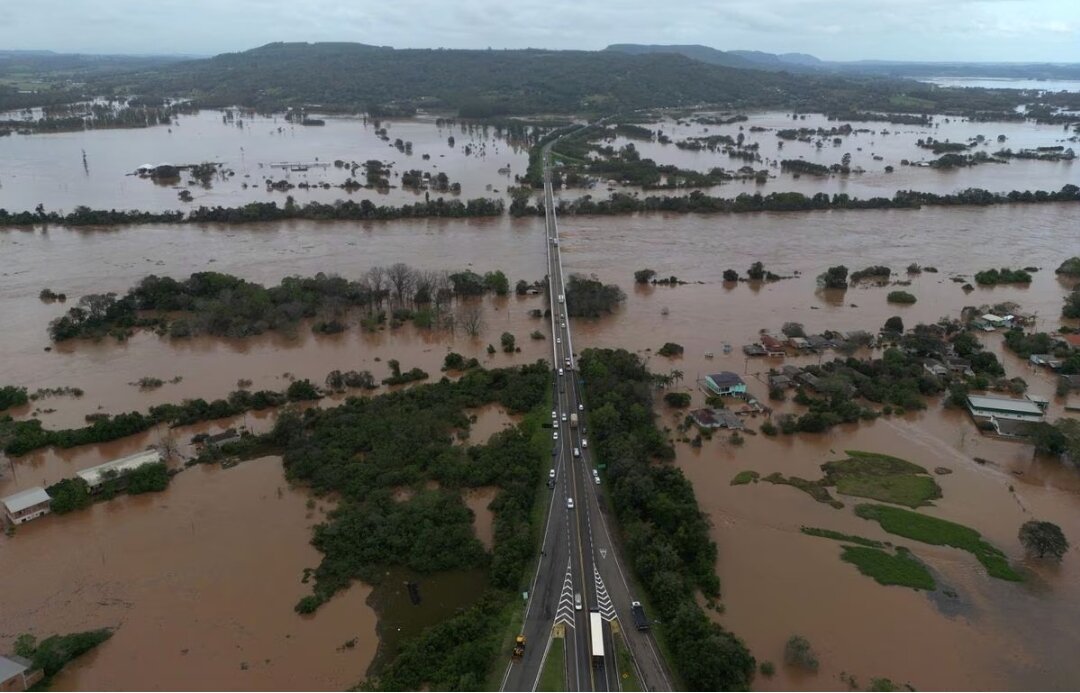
column 780, row 60
column 484, row 83
column 703, row 54
column 475, row 82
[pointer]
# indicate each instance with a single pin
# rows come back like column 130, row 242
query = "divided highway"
column 579, row 592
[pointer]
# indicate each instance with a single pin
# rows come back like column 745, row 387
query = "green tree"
column 508, row 340
column 644, row 276
column 1043, row 538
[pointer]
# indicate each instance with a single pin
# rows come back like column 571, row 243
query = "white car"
column 560, row 373
column 570, row 503
column 580, row 407
column 564, row 418
column 558, row 340
column 555, row 435
column 567, row 361
column 577, row 452
column 584, row 442
column 554, row 415
column 597, row 480
column 551, row 473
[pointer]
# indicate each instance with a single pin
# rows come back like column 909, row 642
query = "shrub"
column 798, row 653
column 644, row 276
column 895, row 324
column 731, row 275
column 678, row 399
column 670, row 349
column 900, row 297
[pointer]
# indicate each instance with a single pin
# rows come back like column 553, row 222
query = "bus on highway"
column 596, row 629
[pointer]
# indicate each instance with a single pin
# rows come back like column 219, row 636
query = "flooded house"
column 716, row 418
column 95, row 477
column 772, row 345
column 1005, row 415
column 724, row 383
column 18, row 674
column 25, row 506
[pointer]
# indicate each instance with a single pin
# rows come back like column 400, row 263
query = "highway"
column 579, row 579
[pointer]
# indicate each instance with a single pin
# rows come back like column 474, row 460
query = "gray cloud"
column 1010, row 30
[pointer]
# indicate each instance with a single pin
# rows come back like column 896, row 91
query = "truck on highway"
column 596, row 632
column 640, row 621
column 573, row 421
column 519, row 647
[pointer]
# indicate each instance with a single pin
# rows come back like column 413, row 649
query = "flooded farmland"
column 221, row 596
column 199, row 582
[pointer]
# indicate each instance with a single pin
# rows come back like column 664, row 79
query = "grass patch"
column 931, row 530
column 867, row 475
column 901, row 568
column 816, row 489
column 553, row 675
column 840, row 536
column 881, row 477
column 745, row 477
column 628, row 680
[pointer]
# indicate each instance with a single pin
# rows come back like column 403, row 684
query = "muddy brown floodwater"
column 49, row 168
column 776, row 581
column 199, row 582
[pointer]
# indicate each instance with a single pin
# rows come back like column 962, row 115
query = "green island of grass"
column 932, row 530
column 745, row 477
column 840, row 536
column 868, row 475
column 881, row 477
column 901, row 568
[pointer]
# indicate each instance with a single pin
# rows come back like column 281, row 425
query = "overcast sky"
column 977, row 30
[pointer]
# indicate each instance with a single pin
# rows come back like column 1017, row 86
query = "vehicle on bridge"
column 596, row 631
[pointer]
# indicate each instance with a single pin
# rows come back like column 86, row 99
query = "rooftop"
column 725, row 378
column 17, row 502
column 95, row 475
column 12, row 666
column 1005, row 404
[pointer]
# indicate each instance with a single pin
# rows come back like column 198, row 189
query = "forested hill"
column 493, row 82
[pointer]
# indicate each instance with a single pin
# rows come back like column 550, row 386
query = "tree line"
column 224, row 305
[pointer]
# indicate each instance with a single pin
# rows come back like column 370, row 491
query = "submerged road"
column 579, row 592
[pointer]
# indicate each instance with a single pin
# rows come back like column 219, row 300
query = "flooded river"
column 221, row 596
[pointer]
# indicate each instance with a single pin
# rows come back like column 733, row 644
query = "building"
column 935, row 367
column 95, row 477
column 753, row 350
column 725, row 383
column 959, row 366
column 716, row 418
column 986, row 406
column 18, row 674
column 818, row 342
column 25, row 506
column 1070, row 382
column 1073, row 340
column 229, row 435
column 772, row 345
column 799, row 343
column 993, row 321
column 1046, row 360
column 780, row 382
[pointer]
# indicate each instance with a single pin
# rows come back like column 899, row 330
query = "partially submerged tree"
column 1043, row 539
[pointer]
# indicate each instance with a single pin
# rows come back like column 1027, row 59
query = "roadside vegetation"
column 664, row 531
